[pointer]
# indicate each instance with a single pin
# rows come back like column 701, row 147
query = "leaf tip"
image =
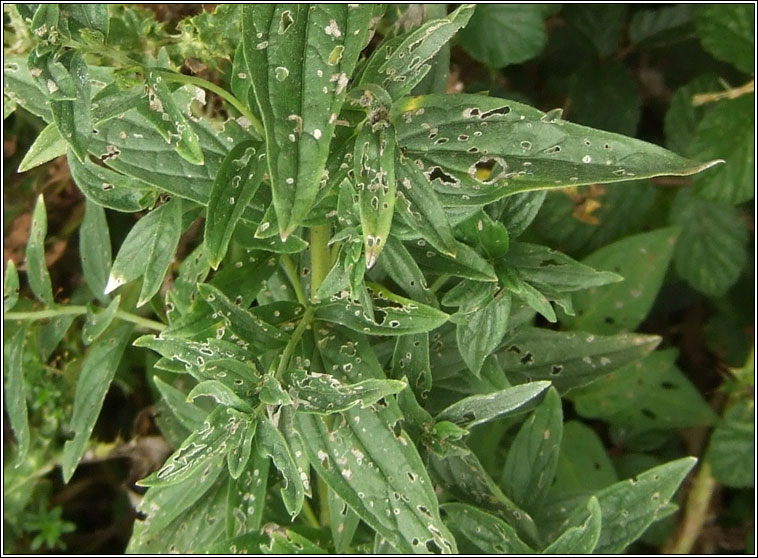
column 114, row 283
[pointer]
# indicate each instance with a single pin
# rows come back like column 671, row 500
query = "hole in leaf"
column 502, row 111
column 556, row 369
column 609, row 320
column 438, row 173
column 285, row 21
column 433, row 547
column 667, row 385
column 527, row 359
column 648, row 413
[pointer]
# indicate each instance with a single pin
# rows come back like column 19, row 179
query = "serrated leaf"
column 300, row 59
column 725, row 132
column 374, row 167
column 533, row 456
column 148, row 250
column 246, row 325
column 393, row 315
column 36, row 269
column 95, row 249
column 221, row 394
column 233, row 188
column 73, row 118
column 731, row 450
column 325, row 394
column 652, row 393
column 467, row 263
column 582, row 538
column 48, row 145
column 630, row 506
column 490, row 534
column 519, row 28
column 483, row 330
column 682, row 116
column 478, row 409
column 15, row 394
column 110, row 189
column 269, row 441
column 10, row 287
column 728, row 33
column 97, row 323
column 406, row 64
column 642, row 260
column 569, row 359
column 190, row 416
column 403, row 270
column 655, row 27
column 602, row 25
column 98, row 369
column 479, row 149
column 162, row 111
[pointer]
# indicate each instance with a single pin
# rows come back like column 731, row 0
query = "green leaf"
column 241, row 444
column 517, row 212
column 10, row 287
column 582, row 538
column 420, row 208
column 87, row 17
column 583, row 464
column 51, row 333
column 190, row 416
column 727, row 31
column 148, row 250
column 682, row 116
column 478, row 409
column 98, row 322
column 406, row 64
column 300, row 59
column 95, row 249
column 73, row 118
column 393, row 315
column 659, row 26
column 162, row 111
column 98, row 369
column 297, row 447
column 411, row 360
column 629, row 507
column 471, row 295
column 478, row 149
column 325, row 394
column 48, row 145
column 602, row 25
column 52, row 76
column 726, row 132
column 483, row 330
column 36, row 270
column 403, row 270
column 270, row 442
column 248, row 327
column 491, row 237
column 374, row 167
column 731, row 450
column 15, row 394
column 110, row 189
column 20, row 87
column 518, row 287
column 467, row 263
column 652, row 393
column 533, row 456
column 221, row 394
column 519, row 29
column 642, row 260
column 569, row 359
column 233, row 188
column 343, row 522
column 490, row 534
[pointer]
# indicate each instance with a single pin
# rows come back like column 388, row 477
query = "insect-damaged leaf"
column 300, row 59
column 325, row 394
column 393, row 315
column 488, row 533
column 162, row 111
column 147, row 250
column 476, row 149
column 10, row 287
column 481, row 331
column 583, row 537
column 270, row 442
column 374, row 160
column 233, row 188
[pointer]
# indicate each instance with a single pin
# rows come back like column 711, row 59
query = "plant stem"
column 310, row 517
column 695, row 513
column 733, row 93
column 79, row 311
column 320, row 257
column 220, row 91
column 290, row 269
column 439, row 282
column 292, row 343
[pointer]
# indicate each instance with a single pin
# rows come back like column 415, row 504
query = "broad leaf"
column 483, row 330
column 95, row 249
column 655, row 27
column 489, row 534
column 300, row 59
column 98, row 369
column 36, row 269
column 148, row 250
column 728, row 32
column 15, row 393
column 731, row 451
column 467, row 263
column 569, row 359
column 602, row 25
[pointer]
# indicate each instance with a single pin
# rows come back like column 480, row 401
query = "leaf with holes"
column 270, row 442
column 300, row 59
column 488, row 533
column 325, row 394
column 581, row 538
column 490, row 148
column 569, row 359
column 147, row 250
column 10, row 287
column 411, row 359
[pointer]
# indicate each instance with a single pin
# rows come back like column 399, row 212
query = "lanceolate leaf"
column 15, row 393
column 300, row 59
column 10, row 287
column 98, row 322
column 477, row 149
column 233, row 188
column 581, row 538
column 98, row 369
column 36, row 270
column 73, row 117
column 411, row 359
column 147, row 250
column 95, row 249
column 269, row 441
column 483, row 330
column 325, row 394
column 402, row 269
column 488, row 533
column 189, row 415
column 48, row 145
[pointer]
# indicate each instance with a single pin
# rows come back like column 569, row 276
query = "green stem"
column 439, row 282
column 79, row 311
column 323, row 499
column 290, row 348
column 320, row 257
column 290, row 269
column 310, row 517
column 695, row 513
column 220, row 91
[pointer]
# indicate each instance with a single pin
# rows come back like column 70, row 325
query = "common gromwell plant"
column 327, row 287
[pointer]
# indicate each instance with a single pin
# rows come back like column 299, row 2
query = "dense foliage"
column 375, row 301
